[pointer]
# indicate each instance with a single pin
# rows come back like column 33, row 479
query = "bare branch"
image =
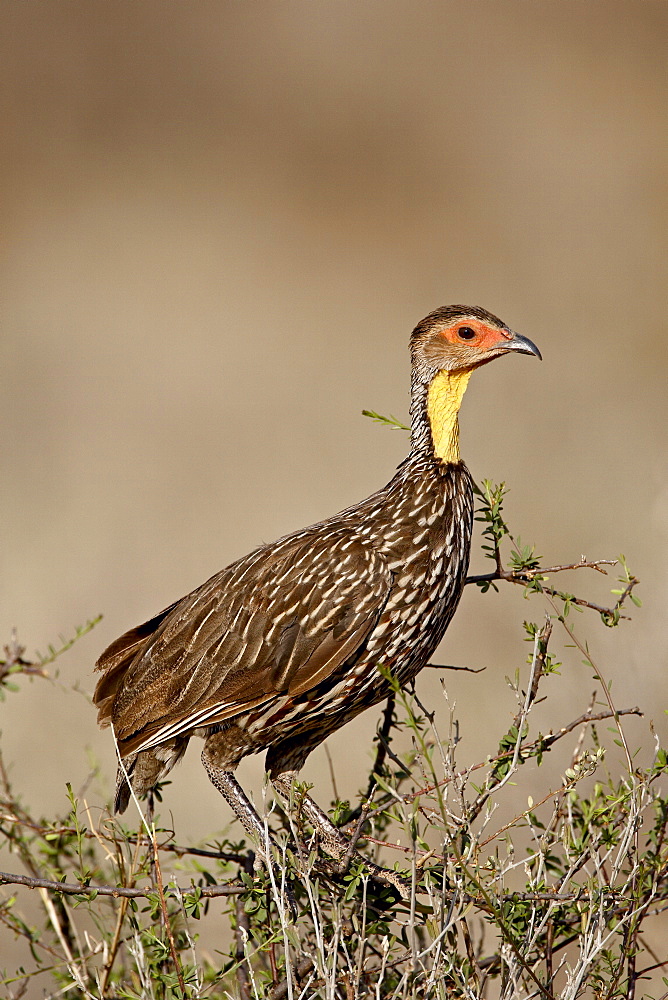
column 118, row 891
column 448, row 666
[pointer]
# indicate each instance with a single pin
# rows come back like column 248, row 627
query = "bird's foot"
column 345, row 853
column 340, row 848
column 342, row 856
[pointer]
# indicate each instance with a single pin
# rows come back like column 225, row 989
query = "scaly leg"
column 220, row 755
column 230, row 789
column 243, row 808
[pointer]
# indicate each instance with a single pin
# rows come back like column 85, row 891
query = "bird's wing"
column 116, row 659
column 274, row 624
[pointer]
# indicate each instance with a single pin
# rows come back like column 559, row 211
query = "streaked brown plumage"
column 282, row 647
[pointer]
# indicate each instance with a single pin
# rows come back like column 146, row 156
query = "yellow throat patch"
column 443, row 401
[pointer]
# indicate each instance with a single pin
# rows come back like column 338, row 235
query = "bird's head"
column 445, row 348
column 459, row 338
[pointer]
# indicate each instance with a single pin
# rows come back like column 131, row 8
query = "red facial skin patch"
column 486, row 337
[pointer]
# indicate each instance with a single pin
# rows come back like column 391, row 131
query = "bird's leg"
column 229, row 787
column 332, row 840
column 220, row 757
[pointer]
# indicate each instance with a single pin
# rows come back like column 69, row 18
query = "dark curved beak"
column 522, row 345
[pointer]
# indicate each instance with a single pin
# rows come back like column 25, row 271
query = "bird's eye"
column 466, row 333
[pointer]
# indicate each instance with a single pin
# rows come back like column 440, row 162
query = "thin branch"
column 71, row 889
column 242, row 934
column 198, row 852
column 165, row 914
column 382, row 738
column 527, row 577
column 403, row 769
column 542, row 743
column 179, row 849
column 332, row 773
column 552, row 738
column 531, row 574
column 449, row 666
column 344, row 863
column 606, row 689
column 300, row 971
column 494, row 782
column 116, row 940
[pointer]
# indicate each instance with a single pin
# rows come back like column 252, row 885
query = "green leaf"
column 388, row 421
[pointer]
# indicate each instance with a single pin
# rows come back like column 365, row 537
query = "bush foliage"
column 554, row 897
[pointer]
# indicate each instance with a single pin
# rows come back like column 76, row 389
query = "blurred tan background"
column 220, row 222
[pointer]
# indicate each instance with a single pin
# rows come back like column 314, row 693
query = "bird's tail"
column 145, row 769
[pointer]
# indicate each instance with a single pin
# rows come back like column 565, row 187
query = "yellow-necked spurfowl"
column 283, row 647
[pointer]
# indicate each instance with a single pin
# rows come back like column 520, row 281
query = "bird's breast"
column 428, row 554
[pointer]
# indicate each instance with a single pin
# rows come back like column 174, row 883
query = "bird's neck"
column 435, row 414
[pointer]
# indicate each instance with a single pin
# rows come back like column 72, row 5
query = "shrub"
column 550, row 897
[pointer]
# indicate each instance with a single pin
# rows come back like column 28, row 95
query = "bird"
column 292, row 641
